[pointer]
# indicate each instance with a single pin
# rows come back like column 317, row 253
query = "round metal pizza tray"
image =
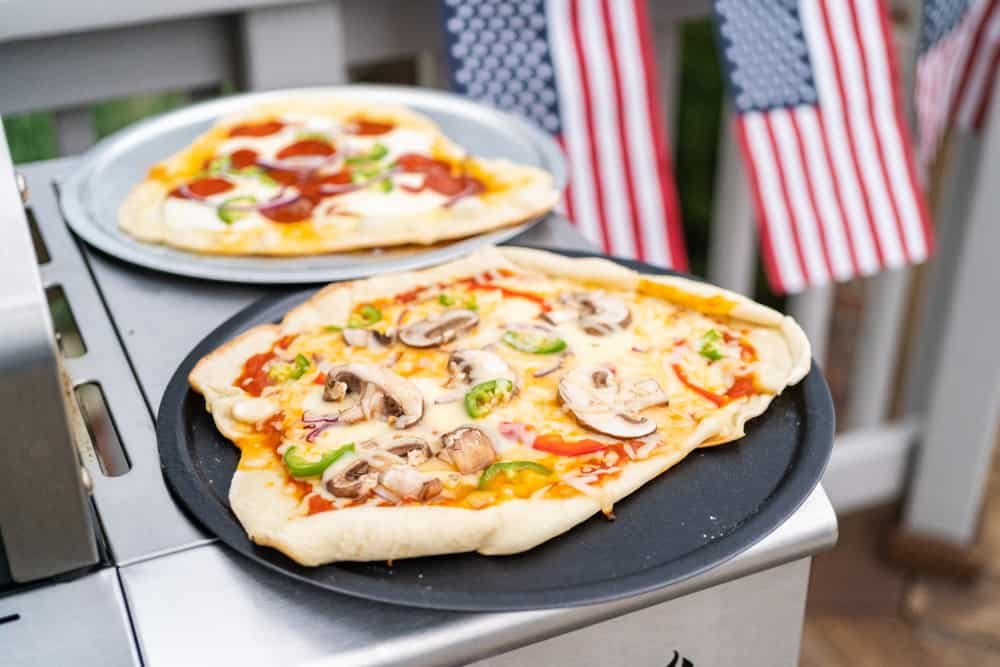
column 710, row 507
column 91, row 195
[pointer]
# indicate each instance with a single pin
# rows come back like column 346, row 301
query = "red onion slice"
column 281, row 199
column 301, row 163
column 386, row 495
column 312, row 418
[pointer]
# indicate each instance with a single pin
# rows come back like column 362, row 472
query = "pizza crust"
column 378, row 533
column 525, row 193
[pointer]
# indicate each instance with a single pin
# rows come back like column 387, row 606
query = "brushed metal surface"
column 92, row 193
column 81, row 622
column 50, row 533
column 238, row 613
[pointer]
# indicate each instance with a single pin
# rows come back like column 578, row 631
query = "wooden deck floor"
column 863, row 612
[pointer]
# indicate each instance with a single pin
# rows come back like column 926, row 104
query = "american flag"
column 956, row 68
column 584, row 71
column 820, row 122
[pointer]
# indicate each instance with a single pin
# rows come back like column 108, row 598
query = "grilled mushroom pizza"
column 316, row 173
column 486, row 405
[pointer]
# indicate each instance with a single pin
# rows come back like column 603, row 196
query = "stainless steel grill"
column 170, row 594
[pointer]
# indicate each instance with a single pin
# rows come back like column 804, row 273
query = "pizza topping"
column 511, row 470
column 468, row 448
column 256, row 129
column 253, row 410
column 599, row 401
column 472, row 367
column 299, row 466
column 534, row 339
column 481, row 399
column 202, row 188
column 370, row 127
column 236, row 208
column 354, row 481
column 411, row 483
column 439, row 177
column 377, row 393
column 292, row 371
column 365, row 316
column 709, row 349
column 438, row 330
column 598, row 314
column 555, row 444
column 254, row 377
column 413, row 450
column 370, row 338
column 306, row 147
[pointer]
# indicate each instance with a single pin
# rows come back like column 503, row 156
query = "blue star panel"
column 940, row 16
column 766, row 57
column 498, row 53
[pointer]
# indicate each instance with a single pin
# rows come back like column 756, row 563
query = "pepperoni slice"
column 421, row 164
column 203, row 187
column 243, row 158
column 284, row 176
column 311, row 188
column 256, row 129
column 372, row 127
column 306, row 147
column 295, row 211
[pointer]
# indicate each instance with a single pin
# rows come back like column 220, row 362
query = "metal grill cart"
column 101, row 567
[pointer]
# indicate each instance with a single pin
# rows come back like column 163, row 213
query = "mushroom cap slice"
column 409, row 482
column 378, row 392
column 412, row 450
column 439, row 329
column 599, row 401
column 468, row 448
column 370, row 338
column 354, row 481
column 599, row 313
column 471, row 367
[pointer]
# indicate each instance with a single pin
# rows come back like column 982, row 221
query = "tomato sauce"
column 254, row 378
column 748, row 352
column 682, row 376
column 742, row 386
column 317, row 504
column 256, row 129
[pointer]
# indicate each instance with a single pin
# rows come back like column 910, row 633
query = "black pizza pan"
column 710, row 507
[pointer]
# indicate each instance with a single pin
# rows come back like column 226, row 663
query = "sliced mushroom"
column 438, row 330
column 468, row 448
column 471, row 367
column 378, row 393
column 602, row 314
column 412, row 450
column 411, row 483
column 355, row 481
column 598, row 313
column 370, row 338
column 599, row 401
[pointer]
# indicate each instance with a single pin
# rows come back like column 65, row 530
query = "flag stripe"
column 809, row 245
column 785, row 247
column 584, row 202
column 978, row 119
column 594, row 163
column 826, row 189
column 756, row 192
column 611, row 164
column 912, row 220
column 979, row 17
column 653, row 222
column 667, row 194
column 837, row 138
column 862, row 133
column 980, row 78
column 802, row 165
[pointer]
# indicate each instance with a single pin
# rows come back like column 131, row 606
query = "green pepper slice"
column 446, row 300
column 708, row 348
column 367, row 316
column 533, row 342
column 292, row 371
column 377, row 152
column 300, row 467
column 481, row 399
column 510, row 468
column 230, row 214
column 299, row 366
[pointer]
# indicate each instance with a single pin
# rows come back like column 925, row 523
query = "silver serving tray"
column 91, row 196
